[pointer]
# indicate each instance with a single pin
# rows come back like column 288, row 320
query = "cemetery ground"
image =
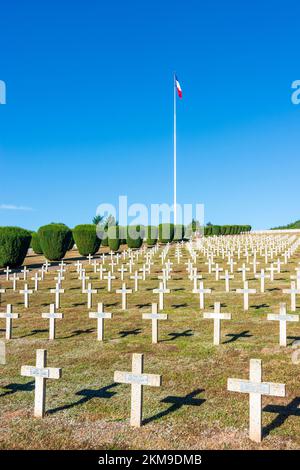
column 192, row 409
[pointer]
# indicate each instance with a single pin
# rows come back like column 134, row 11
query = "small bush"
column 134, row 238
column 86, row 239
column 151, row 233
column 14, row 244
column 113, row 237
column 166, row 233
column 72, row 243
column 55, row 240
column 35, row 244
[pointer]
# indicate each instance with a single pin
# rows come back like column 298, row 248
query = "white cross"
column 9, row 315
column 136, row 278
column 90, row 257
column 297, row 278
column 262, row 276
column 83, row 277
column 282, row 317
column 256, row 388
column 293, row 291
column 26, row 293
column 57, row 291
column 41, row 373
column 109, row 278
column 217, row 316
column 124, row 293
column 201, row 291
column 154, row 316
column 14, row 280
column 47, row 264
column 25, row 271
column 89, row 291
column 7, row 271
column 195, row 277
column 244, row 270
column 52, row 315
column 78, row 265
column 161, row 291
column 100, row 315
column 137, row 379
column 101, row 270
column 217, row 270
column 122, row 270
column 36, row 280
column 272, row 269
column 246, row 291
column 227, row 278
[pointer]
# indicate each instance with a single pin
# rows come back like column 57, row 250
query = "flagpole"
column 175, row 157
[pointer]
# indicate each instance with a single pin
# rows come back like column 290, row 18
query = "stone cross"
column 83, row 277
column 78, row 265
column 25, row 271
column 109, row 278
column 57, row 291
column 293, row 292
column 201, row 291
column 124, row 293
column 9, row 315
column 137, row 379
column 89, row 291
column 256, row 388
column 101, row 316
column 272, row 270
column 154, row 316
column 101, row 270
column 246, row 291
column 227, row 278
column 36, row 280
column 217, row 316
column 136, row 278
column 26, row 293
column 161, row 291
column 282, row 317
column 52, row 315
column 47, row 264
column 217, row 270
column 122, row 270
column 7, row 272
column 244, row 270
column 90, row 257
column 262, row 276
column 297, row 279
column 14, row 280
column 41, row 373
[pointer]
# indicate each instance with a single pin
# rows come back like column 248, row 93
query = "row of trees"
column 54, row 240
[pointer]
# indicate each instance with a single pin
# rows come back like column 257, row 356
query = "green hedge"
column 35, row 244
column 226, row 229
column 55, row 240
column 123, row 235
column 72, row 242
column 14, row 244
column 134, row 236
column 151, row 233
column 165, row 233
column 86, row 239
column 178, row 233
column 113, row 233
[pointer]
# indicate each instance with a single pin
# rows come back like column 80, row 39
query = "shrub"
column 123, row 235
column 166, row 232
column 151, row 233
column 216, row 230
column 113, row 237
column 133, row 236
column 35, row 244
column 55, row 240
column 14, row 244
column 178, row 232
column 86, row 239
column 72, row 242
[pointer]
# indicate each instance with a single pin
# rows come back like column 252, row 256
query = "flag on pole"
column 178, row 87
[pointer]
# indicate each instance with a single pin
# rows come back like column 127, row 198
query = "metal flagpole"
column 175, row 157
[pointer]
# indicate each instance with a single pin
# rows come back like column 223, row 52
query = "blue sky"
column 89, row 110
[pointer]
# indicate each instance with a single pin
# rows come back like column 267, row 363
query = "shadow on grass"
column 257, row 307
column 126, row 333
column 34, row 332
column 79, row 332
column 283, row 412
column 87, row 395
column 143, row 305
column 236, row 336
column 14, row 388
column 183, row 334
column 179, row 305
column 177, row 403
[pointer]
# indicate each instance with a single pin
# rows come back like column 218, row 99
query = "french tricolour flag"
column 178, row 87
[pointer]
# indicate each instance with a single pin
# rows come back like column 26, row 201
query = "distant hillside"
column 289, row 226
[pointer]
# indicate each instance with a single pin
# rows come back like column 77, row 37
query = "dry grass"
column 87, row 410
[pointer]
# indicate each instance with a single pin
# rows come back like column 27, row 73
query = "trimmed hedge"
column 226, row 229
column 165, row 233
column 134, row 236
column 72, row 243
column 55, row 240
column 35, row 244
column 151, row 233
column 114, row 241
column 86, row 239
column 14, row 244
column 123, row 235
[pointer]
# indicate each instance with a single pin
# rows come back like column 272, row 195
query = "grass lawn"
column 192, row 409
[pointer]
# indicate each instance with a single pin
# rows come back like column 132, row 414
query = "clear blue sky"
column 89, row 108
